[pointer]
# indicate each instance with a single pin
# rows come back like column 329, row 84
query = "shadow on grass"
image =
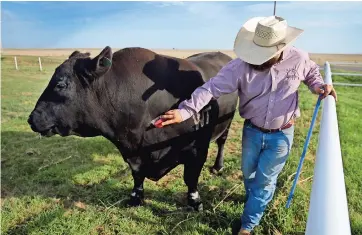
column 40, row 220
column 91, row 171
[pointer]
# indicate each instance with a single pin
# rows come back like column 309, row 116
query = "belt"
column 289, row 124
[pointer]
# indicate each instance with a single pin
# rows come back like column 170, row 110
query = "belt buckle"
column 264, row 130
column 273, row 130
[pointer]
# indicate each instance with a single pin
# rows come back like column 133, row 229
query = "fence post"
column 40, row 67
column 16, row 63
column 328, row 209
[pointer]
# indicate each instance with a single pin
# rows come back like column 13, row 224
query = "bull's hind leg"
column 219, row 161
column 137, row 194
column 192, row 170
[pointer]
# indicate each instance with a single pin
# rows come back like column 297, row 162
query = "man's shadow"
column 166, row 74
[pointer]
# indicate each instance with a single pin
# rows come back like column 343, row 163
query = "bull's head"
column 65, row 106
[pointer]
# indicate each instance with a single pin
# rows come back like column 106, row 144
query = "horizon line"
column 179, row 49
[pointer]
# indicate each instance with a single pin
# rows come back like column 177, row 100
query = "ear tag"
column 106, row 62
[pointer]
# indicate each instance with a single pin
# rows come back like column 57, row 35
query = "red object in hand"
column 157, row 122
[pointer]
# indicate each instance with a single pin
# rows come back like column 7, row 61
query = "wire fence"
column 30, row 63
column 354, row 78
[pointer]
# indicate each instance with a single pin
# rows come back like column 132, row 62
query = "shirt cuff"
column 313, row 87
column 185, row 113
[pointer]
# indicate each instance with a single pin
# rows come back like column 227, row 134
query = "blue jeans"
column 263, row 158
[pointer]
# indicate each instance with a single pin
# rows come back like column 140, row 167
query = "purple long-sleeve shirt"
column 268, row 98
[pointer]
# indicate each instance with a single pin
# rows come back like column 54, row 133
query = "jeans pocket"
column 289, row 134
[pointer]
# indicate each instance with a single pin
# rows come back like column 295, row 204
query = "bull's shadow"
column 42, row 167
column 55, row 164
column 91, row 171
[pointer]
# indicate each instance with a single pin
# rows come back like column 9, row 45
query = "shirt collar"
column 285, row 53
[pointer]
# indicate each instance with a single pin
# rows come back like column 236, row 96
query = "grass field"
column 79, row 186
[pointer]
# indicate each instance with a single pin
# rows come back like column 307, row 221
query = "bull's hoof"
column 198, row 207
column 216, row 170
column 135, row 201
column 195, row 205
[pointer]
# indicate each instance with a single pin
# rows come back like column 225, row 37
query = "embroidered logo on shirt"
column 292, row 74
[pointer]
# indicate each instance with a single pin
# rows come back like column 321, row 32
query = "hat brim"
column 248, row 51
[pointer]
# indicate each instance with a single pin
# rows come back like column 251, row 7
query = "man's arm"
column 225, row 82
column 314, row 80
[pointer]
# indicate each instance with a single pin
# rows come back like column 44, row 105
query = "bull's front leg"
column 191, row 176
column 137, row 195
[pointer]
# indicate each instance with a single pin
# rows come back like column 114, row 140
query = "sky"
column 329, row 27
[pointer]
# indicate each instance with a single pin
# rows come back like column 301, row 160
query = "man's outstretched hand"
column 171, row 117
column 326, row 90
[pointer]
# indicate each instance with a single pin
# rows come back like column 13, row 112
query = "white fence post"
column 40, row 67
column 328, row 209
column 16, row 63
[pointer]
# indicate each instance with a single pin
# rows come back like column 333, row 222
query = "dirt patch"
column 237, row 175
column 165, row 180
column 26, row 93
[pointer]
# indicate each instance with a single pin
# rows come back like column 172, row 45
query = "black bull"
column 116, row 95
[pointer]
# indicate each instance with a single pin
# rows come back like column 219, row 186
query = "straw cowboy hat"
column 262, row 38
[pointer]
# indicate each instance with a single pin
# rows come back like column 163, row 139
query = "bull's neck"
column 114, row 109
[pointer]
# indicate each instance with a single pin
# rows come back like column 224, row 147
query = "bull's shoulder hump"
column 143, row 55
column 133, row 51
column 212, row 55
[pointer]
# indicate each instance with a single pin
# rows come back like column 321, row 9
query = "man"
column 266, row 74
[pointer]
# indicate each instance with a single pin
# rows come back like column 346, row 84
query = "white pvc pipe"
column 327, row 73
column 328, row 210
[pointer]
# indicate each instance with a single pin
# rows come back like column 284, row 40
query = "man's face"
column 268, row 64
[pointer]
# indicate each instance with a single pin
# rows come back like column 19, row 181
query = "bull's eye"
column 61, row 85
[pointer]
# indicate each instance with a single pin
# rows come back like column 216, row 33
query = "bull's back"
column 209, row 63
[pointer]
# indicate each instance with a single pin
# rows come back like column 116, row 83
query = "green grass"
column 79, row 186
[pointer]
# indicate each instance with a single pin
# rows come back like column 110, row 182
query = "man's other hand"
column 326, row 90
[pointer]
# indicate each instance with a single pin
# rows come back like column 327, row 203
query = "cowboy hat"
column 262, row 38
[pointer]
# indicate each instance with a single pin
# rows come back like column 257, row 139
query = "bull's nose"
column 31, row 122
column 30, row 119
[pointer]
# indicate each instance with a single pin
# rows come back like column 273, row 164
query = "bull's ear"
column 78, row 54
column 102, row 62
column 75, row 53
